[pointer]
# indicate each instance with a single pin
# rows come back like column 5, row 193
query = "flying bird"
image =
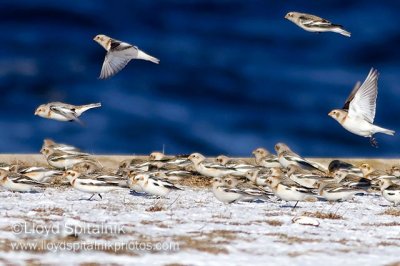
column 118, row 55
column 315, row 24
column 358, row 112
column 63, row 111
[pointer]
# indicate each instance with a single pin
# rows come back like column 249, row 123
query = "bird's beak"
column 94, row 38
column 254, row 153
column 36, row 112
column 286, row 16
column 330, row 113
column 64, row 174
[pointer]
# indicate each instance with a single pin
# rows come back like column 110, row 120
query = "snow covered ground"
column 192, row 228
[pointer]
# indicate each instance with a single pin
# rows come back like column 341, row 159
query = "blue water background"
column 234, row 75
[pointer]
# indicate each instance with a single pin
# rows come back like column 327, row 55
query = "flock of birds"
column 286, row 175
column 357, row 115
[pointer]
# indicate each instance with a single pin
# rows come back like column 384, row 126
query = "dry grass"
column 53, row 211
column 322, row 215
column 284, row 238
column 274, row 222
column 212, row 242
column 382, row 224
column 196, row 181
column 391, row 211
column 156, row 208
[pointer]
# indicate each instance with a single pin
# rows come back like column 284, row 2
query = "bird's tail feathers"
column 89, row 106
column 388, row 131
column 144, row 56
column 339, row 29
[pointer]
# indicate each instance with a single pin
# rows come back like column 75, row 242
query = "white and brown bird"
column 118, row 55
column 314, row 23
column 63, row 111
column 358, row 112
column 287, row 157
column 17, row 182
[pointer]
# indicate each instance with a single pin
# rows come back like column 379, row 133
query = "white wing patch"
column 364, row 103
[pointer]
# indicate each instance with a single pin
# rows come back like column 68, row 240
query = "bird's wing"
column 116, row 59
column 70, row 114
column 351, row 96
column 314, row 21
column 363, row 104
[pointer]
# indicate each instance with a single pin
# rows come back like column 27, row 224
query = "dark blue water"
column 234, row 75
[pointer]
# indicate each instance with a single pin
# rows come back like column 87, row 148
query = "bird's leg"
column 91, row 197
column 295, row 205
column 100, row 196
column 373, row 142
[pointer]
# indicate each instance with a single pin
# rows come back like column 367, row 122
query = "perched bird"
column 136, row 164
column 210, row 170
column 228, row 194
column 152, row 185
column 118, row 55
column 287, row 157
column 306, row 178
column 90, row 185
column 315, row 24
column 132, row 183
column 336, row 192
column 352, row 181
column 39, row 174
column 395, row 171
column 288, row 190
column 258, row 176
column 65, row 148
column 358, row 112
column 338, row 165
column 17, row 182
column 239, row 165
column 265, row 159
column 87, row 167
column 255, row 192
column 62, row 160
column 172, row 175
column 390, row 191
column 63, row 111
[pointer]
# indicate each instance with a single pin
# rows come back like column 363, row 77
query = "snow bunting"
column 338, row 165
column 390, row 191
column 350, row 180
column 335, row 192
column 87, row 167
column 132, row 183
column 287, row 157
column 61, row 160
column 306, row 178
column 63, row 111
column 258, row 176
column 228, row 194
column 289, row 190
column 395, row 171
column 90, row 185
column 152, row 185
column 358, row 112
column 48, row 143
column 118, row 55
column 172, row 175
column 210, row 170
column 315, row 24
column 248, row 188
column 265, row 158
column 39, row 174
column 17, row 182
